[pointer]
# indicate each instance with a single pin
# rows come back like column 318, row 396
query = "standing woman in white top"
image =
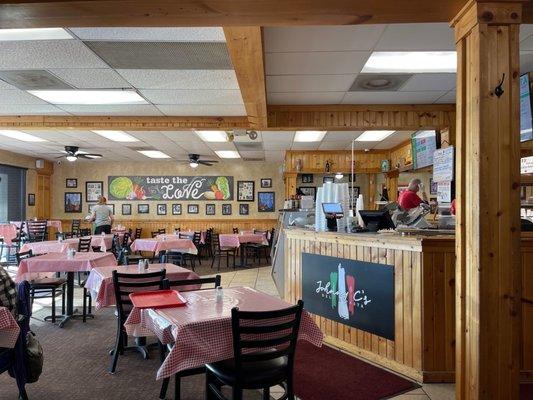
column 102, row 217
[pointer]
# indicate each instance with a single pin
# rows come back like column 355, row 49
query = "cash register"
column 333, row 212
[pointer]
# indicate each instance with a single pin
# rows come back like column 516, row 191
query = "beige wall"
column 100, row 170
column 19, row 160
column 405, row 177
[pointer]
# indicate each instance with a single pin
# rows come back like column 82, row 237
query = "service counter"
column 399, row 310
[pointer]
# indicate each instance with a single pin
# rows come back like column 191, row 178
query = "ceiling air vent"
column 249, row 146
column 253, row 159
column 379, row 82
column 33, row 80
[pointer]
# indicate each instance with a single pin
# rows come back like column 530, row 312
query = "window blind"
column 12, row 193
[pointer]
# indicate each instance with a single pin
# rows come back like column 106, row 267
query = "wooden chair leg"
column 237, row 394
column 84, row 311
column 266, row 393
column 53, row 306
column 63, row 300
column 177, row 387
column 118, row 349
column 290, row 389
column 164, row 388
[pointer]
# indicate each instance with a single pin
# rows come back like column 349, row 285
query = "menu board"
column 526, row 122
column 443, row 164
column 526, row 165
column 424, row 144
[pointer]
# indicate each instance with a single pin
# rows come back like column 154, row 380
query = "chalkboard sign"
column 355, row 293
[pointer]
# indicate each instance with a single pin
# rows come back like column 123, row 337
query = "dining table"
column 8, row 232
column 190, row 235
column 100, row 280
column 9, row 329
column 163, row 243
column 34, row 267
column 201, row 330
column 236, row 239
column 50, row 246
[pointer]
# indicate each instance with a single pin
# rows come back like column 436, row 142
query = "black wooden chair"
column 124, row 285
column 207, row 246
column 213, row 282
column 125, row 254
column 16, row 243
column 46, row 288
column 155, row 234
column 264, row 345
column 235, row 230
column 37, row 230
column 260, row 248
column 138, row 233
column 84, row 232
column 75, row 227
column 84, row 245
column 220, row 252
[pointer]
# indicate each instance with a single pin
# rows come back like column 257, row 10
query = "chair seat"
column 256, row 373
column 44, row 283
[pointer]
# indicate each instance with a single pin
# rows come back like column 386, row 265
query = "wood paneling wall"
column 314, row 161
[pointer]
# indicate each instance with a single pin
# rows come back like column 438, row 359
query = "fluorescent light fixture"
column 71, row 158
column 34, row 34
column 154, row 153
column 193, row 164
column 227, row 154
column 309, row 136
column 18, row 135
column 374, row 136
column 339, row 176
column 89, row 97
column 117, row 136
column 411, row 62
column 213, row 136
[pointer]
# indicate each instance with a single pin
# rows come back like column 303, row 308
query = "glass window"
column 12, row 193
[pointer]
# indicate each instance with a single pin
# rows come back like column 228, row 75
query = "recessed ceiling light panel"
column 309, row 136
column 154, row 153
column 117, row 136
column 34, row 34
column 18, row 135
column 411, row 62
column 213, row 136
column 89, row 97
column 374, row 136
column 227, row 154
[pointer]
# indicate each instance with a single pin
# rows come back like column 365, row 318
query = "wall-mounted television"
column 526, row 121
column 424, row 144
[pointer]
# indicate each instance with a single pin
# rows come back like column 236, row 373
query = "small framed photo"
column 73, row 202
column 193, row 209
column 112, row 207
column 307, row 178
column 433, row 187
column 161, row 209
column 266, row 182
column 176, row 209
column 266, row 201
column 90, row 207
column 226, row 209
column 71, row 183
column 31, row 199
column 308, row 190
column 327, row 179
column 126, row 209
column 210, row 209
column 143, row 208
column 244, row 209
column 245, row 190
column 93, row 190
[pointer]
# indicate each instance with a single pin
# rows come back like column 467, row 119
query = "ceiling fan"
column 73, row 153
column 194, row 161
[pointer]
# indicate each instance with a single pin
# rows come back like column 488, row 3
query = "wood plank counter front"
column 424, row 291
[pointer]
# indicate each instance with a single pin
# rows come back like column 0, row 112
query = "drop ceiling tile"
column 340, row 136
column 198, row 148
column 322, row 38
column 277, row 145
column 306, row 98
column 5, row 85
column 309, row 83
column 243, row 138
column 45, row 54
column 203, row 110
column 181, row 34
column 417, row 37
column 180, row 79
column 274, row 156
column 362, row 145
column 134, row 110
column 326, row 62
column 527, row 44
column 525, row 31
column 305, row 146
column 27, row 109
column 448, row 98
column 220, row 146
column 277, row 137
column 182, row 136
column 206, row 97
column 391, row 97
column 332, row 145
column 16, row 96
column 383, row 145
column 429, row 82
column 252, row 154
column 526, row 61
column 91, row 78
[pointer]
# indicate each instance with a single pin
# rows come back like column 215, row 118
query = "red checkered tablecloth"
column 9, row 329
column 50, row 246
column 235, row 240
column 201, row 331
column 165, row 242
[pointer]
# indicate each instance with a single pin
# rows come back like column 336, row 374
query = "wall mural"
column 158, row 188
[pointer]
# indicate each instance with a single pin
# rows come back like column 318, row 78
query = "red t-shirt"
column 409, row 199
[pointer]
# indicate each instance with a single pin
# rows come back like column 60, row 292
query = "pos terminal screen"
column 332, row 208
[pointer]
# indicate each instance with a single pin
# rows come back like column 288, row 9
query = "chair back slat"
column 23, row 255
column 75, row 226
column 138, row 233
column 37, row 230
column 84, row 245
column 215, row 280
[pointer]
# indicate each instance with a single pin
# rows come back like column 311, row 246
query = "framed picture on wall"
column 266, row 182
column 193, row 209
column 266, row 201
column 31, row 199
column 210, row 209
column 176, row 209
column 90, row 207
column 245, row 190
column 307, row 178
column 73, row 202
column 126, row 209
column 161, row 209
column 308, row 190
column 71, row 183
column 226, row 209
column 143, row 208
column 93, row 190
column 244, row 209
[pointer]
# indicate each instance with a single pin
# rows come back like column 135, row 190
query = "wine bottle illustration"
column 343, row 304
column 333, row 284
column 350, row 281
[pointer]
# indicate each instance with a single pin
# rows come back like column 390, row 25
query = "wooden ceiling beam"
column 245, row 47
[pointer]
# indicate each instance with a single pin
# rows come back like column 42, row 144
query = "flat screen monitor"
column 332, row 208
column 424, row 144
column 526, row 121
column 376, row 220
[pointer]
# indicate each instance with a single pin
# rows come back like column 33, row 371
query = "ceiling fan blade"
column 208, row 163
column 89, row 156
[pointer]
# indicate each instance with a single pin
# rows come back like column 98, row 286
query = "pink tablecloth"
column 55, row 224
column 165, row 242
column 202, row 330
column 100, row 280
column 50, row 246
column 8, row 232
column 235, row 240
column 9, row 329
column 34, row 267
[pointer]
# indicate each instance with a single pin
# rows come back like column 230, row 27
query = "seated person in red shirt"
column 409, row 199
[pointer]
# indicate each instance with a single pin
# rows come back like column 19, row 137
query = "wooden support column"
column 392, row 184
column 291, row 179
column 372, row 191
column 488, row 280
